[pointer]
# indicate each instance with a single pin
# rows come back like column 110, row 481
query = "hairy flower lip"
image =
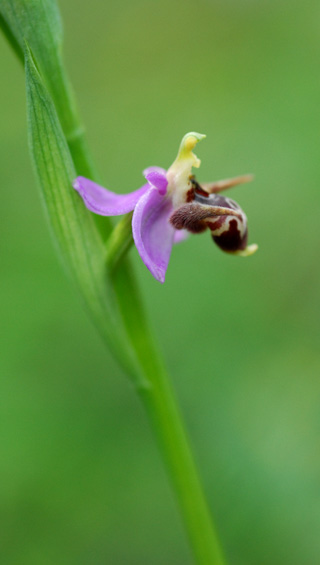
column 170, row 203
column 192, row 216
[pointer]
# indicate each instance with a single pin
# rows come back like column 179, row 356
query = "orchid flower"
column 169, row 205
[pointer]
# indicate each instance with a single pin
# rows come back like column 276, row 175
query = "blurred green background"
column 81, row 481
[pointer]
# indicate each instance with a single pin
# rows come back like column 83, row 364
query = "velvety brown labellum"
column 223, row 216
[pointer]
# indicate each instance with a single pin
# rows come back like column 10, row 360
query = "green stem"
column 73, row 128
column 167, row 422
column 119, row 242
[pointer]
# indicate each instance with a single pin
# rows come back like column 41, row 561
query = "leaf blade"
column 38, row 22
column 75, row 234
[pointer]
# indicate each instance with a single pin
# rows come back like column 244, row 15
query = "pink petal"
column 152, row 232
column 157, row 177
column 103, row 201
column 180, row 235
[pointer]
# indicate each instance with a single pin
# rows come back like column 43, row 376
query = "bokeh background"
column 81, row 481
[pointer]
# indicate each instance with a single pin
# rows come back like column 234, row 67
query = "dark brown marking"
column 216, row 225
column 198, row 188
column 231, row 240
column 190, row 195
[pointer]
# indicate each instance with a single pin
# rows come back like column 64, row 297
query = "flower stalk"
column 119, row 242
column 167, row 422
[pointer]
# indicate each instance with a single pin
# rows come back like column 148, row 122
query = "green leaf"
column 38, row 23
column 10, row 36
column 74, row 231
column 35, row 21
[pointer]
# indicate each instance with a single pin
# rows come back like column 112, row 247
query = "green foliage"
column 38, row 23
column 75, row 233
